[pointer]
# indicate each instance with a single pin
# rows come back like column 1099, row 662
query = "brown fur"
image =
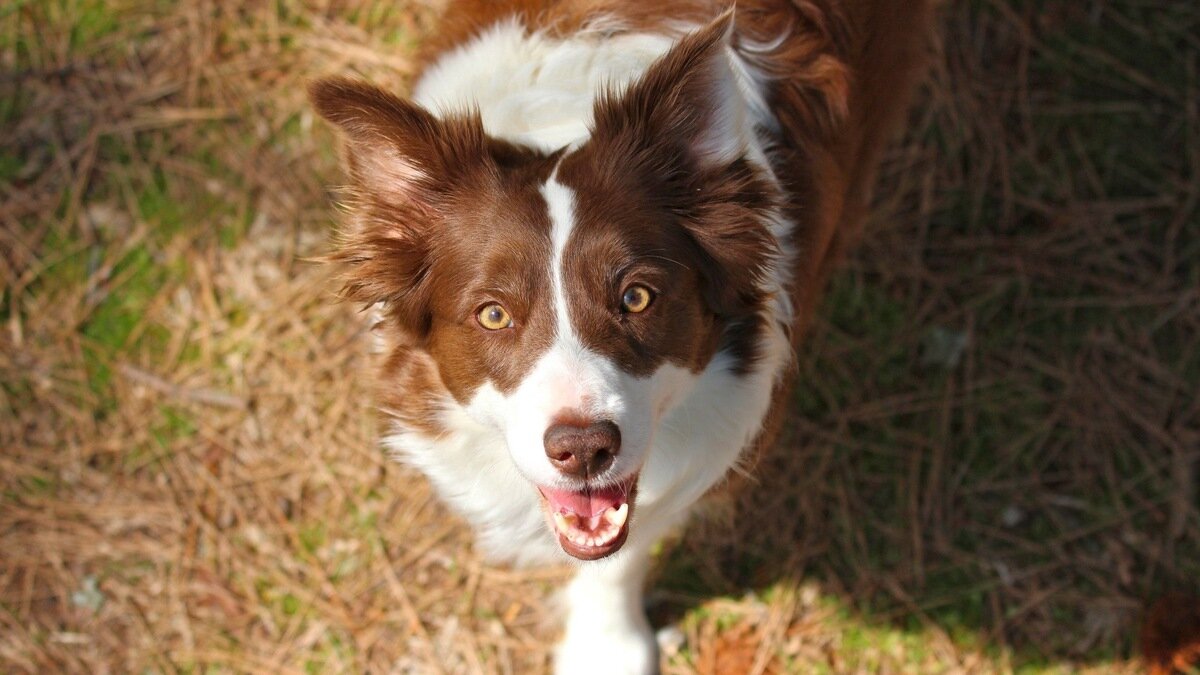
column 1170, row 637
column 832, row 175
column 641, row 166
column 439, row 247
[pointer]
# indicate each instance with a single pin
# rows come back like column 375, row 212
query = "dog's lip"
column 597, row 504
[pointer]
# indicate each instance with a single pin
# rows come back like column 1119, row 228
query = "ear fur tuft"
column 395, row 149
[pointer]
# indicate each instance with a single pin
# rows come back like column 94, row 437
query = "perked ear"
column 690, row 97
column 396, row 150
column 404, row 163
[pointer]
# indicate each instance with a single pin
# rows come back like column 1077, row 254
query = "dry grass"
column 991, row 468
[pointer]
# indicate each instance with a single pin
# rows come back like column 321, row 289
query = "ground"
column 990, row 466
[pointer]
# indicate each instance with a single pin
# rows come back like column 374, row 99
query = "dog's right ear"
column 405, row 165
column 396, row 151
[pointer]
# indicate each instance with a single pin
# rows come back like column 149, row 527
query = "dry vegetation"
column 991, row 467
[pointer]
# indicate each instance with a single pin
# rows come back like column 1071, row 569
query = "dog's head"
column 570, row 299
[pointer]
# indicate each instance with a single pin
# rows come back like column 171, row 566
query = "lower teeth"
column 598, row 530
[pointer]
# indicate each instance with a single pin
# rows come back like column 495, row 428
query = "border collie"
column 591, row 240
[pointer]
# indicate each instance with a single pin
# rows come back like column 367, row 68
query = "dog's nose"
column 582, row 451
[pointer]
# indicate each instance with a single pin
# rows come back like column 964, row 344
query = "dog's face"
column 569, row 300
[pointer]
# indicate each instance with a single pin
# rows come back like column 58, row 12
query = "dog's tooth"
column 564, row 522
column 618, row 515
column 592, row 531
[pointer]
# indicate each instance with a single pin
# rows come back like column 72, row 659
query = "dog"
column 592, row 239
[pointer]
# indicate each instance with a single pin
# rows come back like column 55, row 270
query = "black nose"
column 582, row 451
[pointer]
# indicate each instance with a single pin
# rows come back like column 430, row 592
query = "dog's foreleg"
column 607, row 630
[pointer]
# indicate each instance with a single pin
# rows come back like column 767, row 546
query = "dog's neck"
column 533, row 89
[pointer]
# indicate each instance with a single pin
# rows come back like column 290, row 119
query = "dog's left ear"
column 687, row 103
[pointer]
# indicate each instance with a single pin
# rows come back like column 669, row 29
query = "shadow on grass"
column 995, row 427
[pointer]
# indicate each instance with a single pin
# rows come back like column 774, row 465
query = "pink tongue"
column 591, row 503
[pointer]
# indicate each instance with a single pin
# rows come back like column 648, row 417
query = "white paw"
column 622, row 648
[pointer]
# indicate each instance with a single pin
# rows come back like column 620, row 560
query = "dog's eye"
column 494, row 317
column 636, row 299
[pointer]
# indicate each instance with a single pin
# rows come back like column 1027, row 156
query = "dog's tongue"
column 590, row 503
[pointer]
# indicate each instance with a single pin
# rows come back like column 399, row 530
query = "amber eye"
column 494, row 317
column 636, row 299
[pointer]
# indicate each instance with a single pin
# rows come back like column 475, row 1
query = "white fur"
column 683, row 431
column 472, row 470
column 534, row 89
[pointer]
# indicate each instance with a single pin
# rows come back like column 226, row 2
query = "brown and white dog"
column 592, row 239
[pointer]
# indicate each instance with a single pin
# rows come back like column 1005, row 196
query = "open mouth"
column 593, row 522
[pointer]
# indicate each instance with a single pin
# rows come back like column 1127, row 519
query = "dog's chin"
column 593, row 522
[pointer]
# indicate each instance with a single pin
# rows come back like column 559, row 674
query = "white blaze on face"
column 570, row 379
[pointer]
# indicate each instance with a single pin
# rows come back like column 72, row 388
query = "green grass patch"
column 312, row 537
column 172, row 425
column 32, row 486
column 90, row 20
column 10, row 163
column 110, row 330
